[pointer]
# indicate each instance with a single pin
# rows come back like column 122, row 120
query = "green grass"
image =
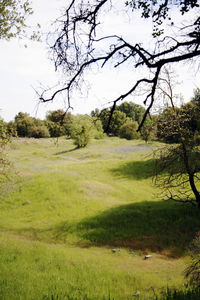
column 70, row 207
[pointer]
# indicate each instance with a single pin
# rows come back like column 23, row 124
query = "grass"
column 70, row 207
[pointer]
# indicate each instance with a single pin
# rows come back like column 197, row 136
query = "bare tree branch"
column 77, row 45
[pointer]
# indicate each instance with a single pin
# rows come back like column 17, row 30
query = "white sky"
column 23, row 69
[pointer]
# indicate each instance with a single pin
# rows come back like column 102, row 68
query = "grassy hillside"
column 76, row 223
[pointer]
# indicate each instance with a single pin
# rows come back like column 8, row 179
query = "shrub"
column 80, row 135
column 192, row 272
column 39, row 132
column 97, row 129
column 129, row 130
column 83, row 128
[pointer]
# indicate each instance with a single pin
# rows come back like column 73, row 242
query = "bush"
column 129, row 130
column 55, row 129
column 81, row 136
column 184, row 294
column 97, row 129
column 148, row 130
column 39, row 132
column 192, row 272
column 83, row 128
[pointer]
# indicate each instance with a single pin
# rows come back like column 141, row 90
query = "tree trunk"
column 194, row 189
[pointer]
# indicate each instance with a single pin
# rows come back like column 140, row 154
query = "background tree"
column 58, row 122
column 118, row 119
column 148, row 130
column 167, row 128
column 83, row 128
column 132, row 110
column 75, row 55
column 27, row 126
column 129, row 130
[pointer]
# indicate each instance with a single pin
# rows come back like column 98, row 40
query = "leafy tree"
column 129, row 130
column 13, row 16
column 4, row 134
column 132, row 110
column 167, row 128
column 83, row 128
column 118, row 119
column 148, row 130
column 11, row 126
column 80, row 131
column 97, row 129
column 196, row 98
column 4, row 162
column 23, row 124
column 40, row 131
column 27, row 126
column 75, row 55
column 58, row 122
column 178, row 165
column 95, row 113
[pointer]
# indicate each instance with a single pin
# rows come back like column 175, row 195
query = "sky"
column 25, row 70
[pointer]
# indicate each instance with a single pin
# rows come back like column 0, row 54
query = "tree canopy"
column 13, row 17
column 80, row 42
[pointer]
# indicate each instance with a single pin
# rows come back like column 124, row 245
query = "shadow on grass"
column 164, row 227
column 67, row 151
column 136, row 169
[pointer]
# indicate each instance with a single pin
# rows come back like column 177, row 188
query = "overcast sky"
column 25, row 69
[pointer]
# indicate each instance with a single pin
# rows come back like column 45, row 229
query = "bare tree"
column 79, row 44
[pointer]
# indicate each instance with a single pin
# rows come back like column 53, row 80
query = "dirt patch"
column 147, row 244
column 144, row 243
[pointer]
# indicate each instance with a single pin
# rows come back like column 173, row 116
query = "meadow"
column 77, row 223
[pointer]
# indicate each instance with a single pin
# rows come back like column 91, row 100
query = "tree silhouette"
column 79, row 44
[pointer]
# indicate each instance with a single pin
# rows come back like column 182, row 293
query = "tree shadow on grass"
column 136, row 169
column 163, row 227
column 67, row 151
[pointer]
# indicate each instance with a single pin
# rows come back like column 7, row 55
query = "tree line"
column 124, row 123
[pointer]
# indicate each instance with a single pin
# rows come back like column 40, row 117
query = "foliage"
column 175, row 124
column 167, row 127
column 27, row 126
column 12, row 129
column 4, row 134
column 80, row 135
column 196, row 97
column 178, row 166
column 80, row 130
column 83, row 128
column 118, row 119
column 97, row 129
column 24, row 126
column 148, row 130
column 159, row 12
column 132, row 110
column 129, row 130
column 58, row 122
column 192, row 272
column 13, row 15
column 4, row 162
column 186, row 293
column 40, row 131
